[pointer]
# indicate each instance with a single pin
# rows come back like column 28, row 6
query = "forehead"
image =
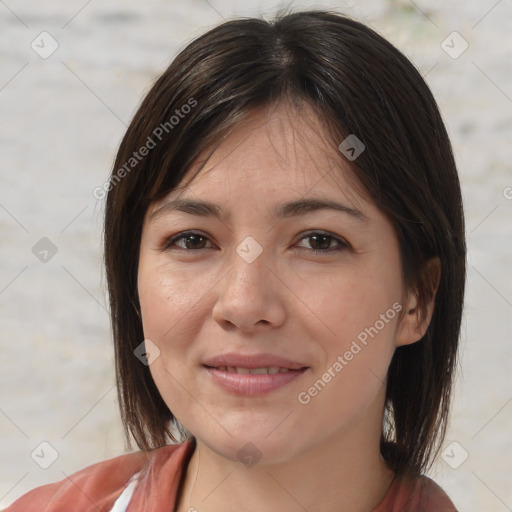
column 276, row 152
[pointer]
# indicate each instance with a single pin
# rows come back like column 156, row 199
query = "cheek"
column 166, row 298
column 350, row 302
column 355, row 359
column 359, row 314
column 169, row 302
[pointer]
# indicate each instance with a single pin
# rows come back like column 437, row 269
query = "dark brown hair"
column 357, row 83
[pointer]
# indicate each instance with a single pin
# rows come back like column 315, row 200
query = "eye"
column 192, row 240
column 323, row 241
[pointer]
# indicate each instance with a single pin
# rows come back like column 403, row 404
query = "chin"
column 251, row 449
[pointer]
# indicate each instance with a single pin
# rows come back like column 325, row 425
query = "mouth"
column 239, row 380
column 233, row 361
column 240, row 370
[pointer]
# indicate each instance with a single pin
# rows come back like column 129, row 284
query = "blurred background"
column 71, row 77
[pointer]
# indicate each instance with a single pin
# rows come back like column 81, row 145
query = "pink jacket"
column 99, row 487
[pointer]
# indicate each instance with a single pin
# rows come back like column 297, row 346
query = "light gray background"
column 61, row 121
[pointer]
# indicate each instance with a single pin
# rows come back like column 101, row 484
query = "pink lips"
column 251, row 385
column 223, row 370
column 253, row 361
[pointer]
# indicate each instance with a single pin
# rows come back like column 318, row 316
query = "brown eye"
column 321, row 242
column 189, row 240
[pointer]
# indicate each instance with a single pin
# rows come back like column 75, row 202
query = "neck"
column 344, row 473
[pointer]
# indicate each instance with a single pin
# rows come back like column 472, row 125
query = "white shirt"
column 123, row 501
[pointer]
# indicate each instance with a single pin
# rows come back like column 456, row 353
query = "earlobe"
column 419, row 306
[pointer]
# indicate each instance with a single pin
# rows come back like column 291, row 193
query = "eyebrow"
column 285, row 210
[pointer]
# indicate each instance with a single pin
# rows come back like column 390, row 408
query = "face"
column 313, row 291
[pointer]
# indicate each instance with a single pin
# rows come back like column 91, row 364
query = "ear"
column 418, row 313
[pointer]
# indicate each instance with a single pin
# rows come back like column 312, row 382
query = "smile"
column 252, row 381
column 252, row 371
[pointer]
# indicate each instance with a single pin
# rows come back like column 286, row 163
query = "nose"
column 250, row 296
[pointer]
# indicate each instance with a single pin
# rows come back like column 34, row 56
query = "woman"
column 285, row 256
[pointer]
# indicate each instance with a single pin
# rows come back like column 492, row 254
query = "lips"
column 254, row 371
column 251, row 375
column 253, row 362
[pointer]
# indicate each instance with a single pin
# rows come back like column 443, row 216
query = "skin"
column 199, row 298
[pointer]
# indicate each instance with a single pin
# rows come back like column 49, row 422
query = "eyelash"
column 342, row 244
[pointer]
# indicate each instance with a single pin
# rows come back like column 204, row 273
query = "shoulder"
column 420, row 494
column 96, row 487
